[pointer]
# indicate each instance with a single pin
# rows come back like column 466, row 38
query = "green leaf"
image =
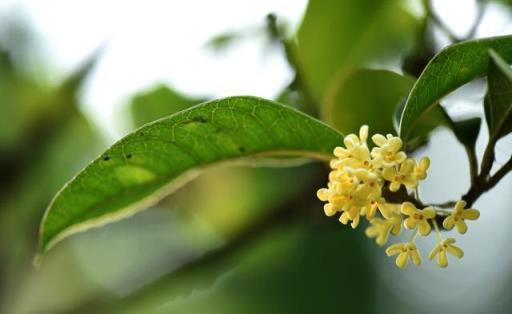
column 337, row 35
column 158, row 102
column 498, row 101
column 451, row 68
column 427, row 123
column 467, row 131
column 365, row 96
column 160, row 157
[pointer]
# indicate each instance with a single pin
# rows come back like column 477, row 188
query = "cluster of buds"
column 357, row 188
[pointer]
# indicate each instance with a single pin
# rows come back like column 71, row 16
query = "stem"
column 507, row 167
column 414, row 235
column 430, row 13
column 488, row 159
column 438, row 234
column 482, row 7
column 477, row 190
column 473, row 163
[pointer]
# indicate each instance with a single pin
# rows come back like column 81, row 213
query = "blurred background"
column 75, row 76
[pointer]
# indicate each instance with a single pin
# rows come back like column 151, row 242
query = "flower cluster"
column 359, row 183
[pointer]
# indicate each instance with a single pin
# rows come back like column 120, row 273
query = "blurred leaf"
column 58, row 143
column 365, row 96
column 159, row 102
column 343, row 34
column 290, row 268
column 498, row 101
column 23, row 102
column 451, row 68
column 467, row 131
column 222, row 41
column 158, row 158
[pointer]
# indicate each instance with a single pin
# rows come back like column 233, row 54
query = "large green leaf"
column 156, row 159
column 498, row 101
column 451, row 68
column 336, row 35
column 365, row 96
column 467, row 131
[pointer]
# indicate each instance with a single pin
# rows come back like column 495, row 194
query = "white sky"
column 163, row 41
column 159, row 41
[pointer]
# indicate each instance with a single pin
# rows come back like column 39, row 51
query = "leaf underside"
column 159, row 157
column 451, row 68
column 498, row 101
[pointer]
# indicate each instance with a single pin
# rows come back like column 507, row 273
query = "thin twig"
column 482, row 7
column 481, row 187
column 430, row 13
column 507, row 167
column 473, row 163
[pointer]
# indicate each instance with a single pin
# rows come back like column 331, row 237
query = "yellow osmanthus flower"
column 440, row 251
column 404, row 175
column 371, row 208
column 405, row 251
column 380, row 228
column 355, row 190
column 458, row 216
column 388, row 153
column 418, row 217
column 420, row 170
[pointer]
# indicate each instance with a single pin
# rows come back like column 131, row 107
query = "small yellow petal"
column 429, row 212
column 461, row 226
column 408, row 208
column 424, row 163
column 460, row 205
column 379, row 139
column 455, row 251
column 372, row 231
column 470, row 214
column 344, row 218
column 395, row 143
column 401, row 260
column 355, row 222
column 329, row 210
column 442, row 260
column 448, row 223
column 434, row 251
column 323, row 194
column 400, row 157
column 394, row 249
column 363, row 133
column 382, row 238
column 424, row 227
column 394, row 186
column 416, row 257
column 410, row 223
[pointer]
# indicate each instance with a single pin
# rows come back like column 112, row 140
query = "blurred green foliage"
column 334, row 37
column 365, row 96
column 237, row 238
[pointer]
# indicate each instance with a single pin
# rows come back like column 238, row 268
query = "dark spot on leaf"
column 241, row 149
column 198, row 119
column 142, row 134
column 106, row 158
column 129, row 156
